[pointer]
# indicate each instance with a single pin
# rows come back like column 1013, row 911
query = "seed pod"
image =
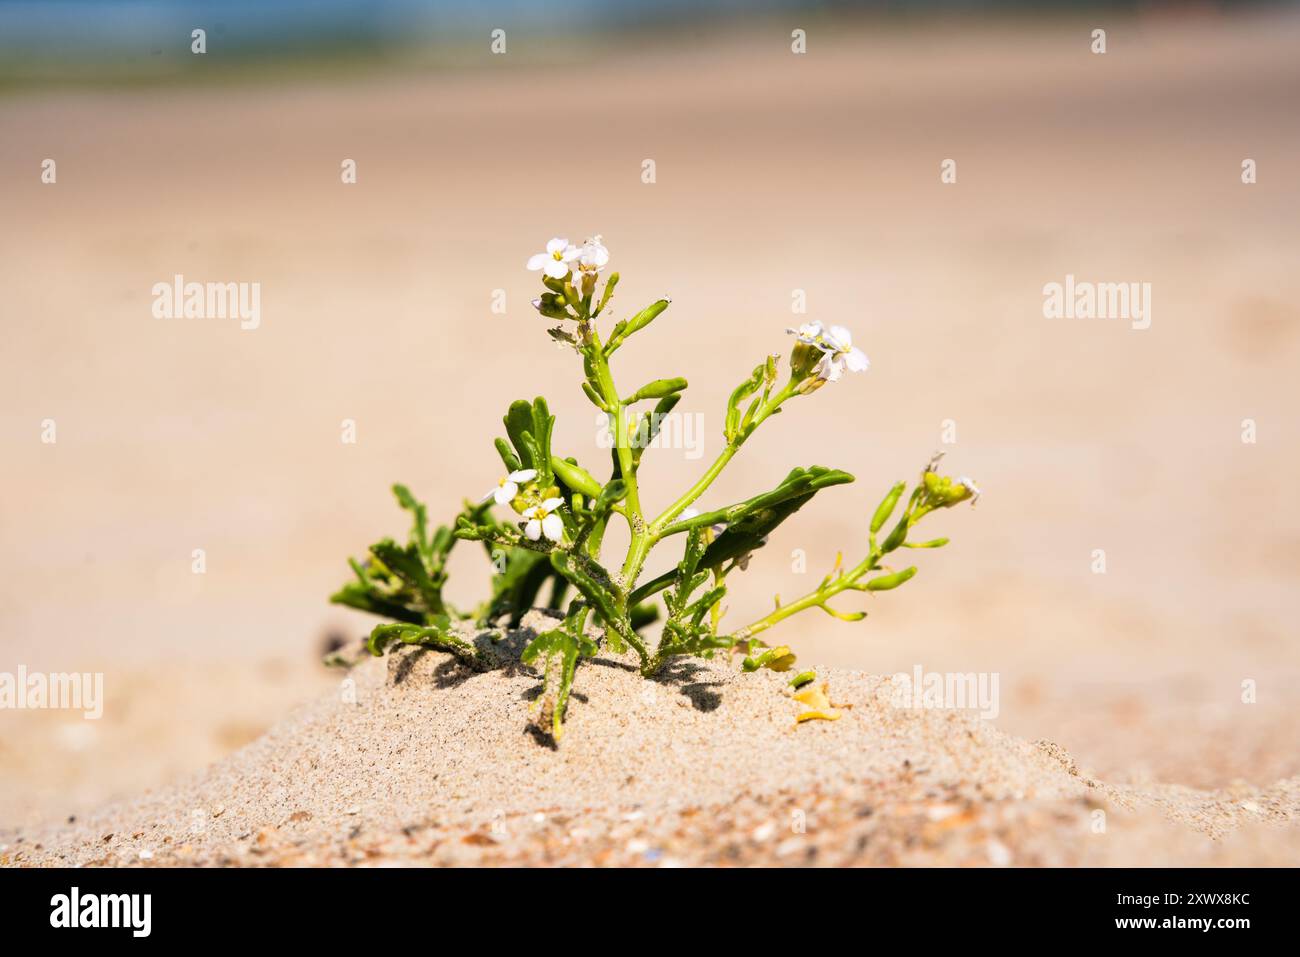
column 646, row 316
column 610, row 283
column 933, row 543
column 887, row 582
column 594, row 396
column 886, row 507
column 896, row 537
column 658, row 389
column 576, row 477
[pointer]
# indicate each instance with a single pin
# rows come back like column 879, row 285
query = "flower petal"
column 843, row 338
column 857, row 360
column 522, row 475
column 555, row 245
column 831, row 367
column 556, row 269
column 533, row 530
column 506, row 493
column 551, row 504
column 553, row 527
column 538, row 261
column 807, row 333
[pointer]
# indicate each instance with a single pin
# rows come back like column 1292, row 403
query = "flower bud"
column 886, row 507
column 803, row 359
column 575, row 476
column 897, row 536
column 551, row 305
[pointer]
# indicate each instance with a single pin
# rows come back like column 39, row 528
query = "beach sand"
column 416, row 759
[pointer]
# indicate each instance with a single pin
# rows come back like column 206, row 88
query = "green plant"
column 556, row 513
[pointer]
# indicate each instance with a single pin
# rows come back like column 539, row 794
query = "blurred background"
column 776, row 173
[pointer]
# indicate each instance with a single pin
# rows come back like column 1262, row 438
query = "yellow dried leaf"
column 782, row 659
column 823, row 715
column 819, row 702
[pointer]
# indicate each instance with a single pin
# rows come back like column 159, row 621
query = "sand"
column 415, row 760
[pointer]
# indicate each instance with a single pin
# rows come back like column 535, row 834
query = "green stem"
column 639, row 546
column 712, row 472
column 830, row 588
column 814, row 599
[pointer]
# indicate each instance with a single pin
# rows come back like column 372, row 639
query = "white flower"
column 540, row 520
column 555, row 261
column 593, row 256
column 840, row 354
column 970, row 486
column 809, row 333
column 508, row 487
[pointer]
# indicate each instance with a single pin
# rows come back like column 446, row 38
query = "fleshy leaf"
column 749, row 523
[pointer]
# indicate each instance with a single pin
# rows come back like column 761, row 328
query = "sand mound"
column 419, row 759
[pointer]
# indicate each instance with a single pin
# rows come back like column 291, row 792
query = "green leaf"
column 651, row 424
column 408, row 565
column 529, row 427
column 515, row 589
column 644, row 614
column 420, row 529
column 508, row 456
column 613, row 493
column 365, row 598
column 800, row 485
column 749, row 523
column 559, row 650
column 437, row 635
